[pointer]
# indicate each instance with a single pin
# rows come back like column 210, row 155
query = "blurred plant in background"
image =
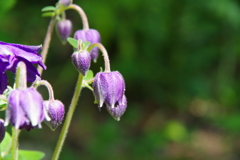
column 180, row 61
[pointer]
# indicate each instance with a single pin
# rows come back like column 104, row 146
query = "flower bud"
column 25, row 109
column 65, row 3
column 109, row 88
column 2, row 130
column 55, row 110
column 91, row 36
column 64, row 29
column 119, row 109
column 82, row 61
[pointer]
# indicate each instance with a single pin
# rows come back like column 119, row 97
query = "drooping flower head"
column 65, row 3
column 82, row 61
column 25, row 109
column 11, row 54
column 109, row 88
column 64, row 29
column 91, row 36
column 117, row 111
column 55, row 110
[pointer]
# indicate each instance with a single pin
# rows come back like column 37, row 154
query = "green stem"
column 14, row 143
column 46, row 43
column 68, row 119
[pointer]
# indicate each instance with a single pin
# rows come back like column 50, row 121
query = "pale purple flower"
column 91, row 36
column 109, row 88
column 2, row 130
column 117, row 111
column 55, row 110
column 65, row 3
column 82, row 61
column 11, row 54
column 64, row 29
column 25, row 109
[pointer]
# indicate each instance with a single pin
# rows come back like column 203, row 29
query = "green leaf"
column 6, row 143
column 48, row 14
column 48, row 8
column 30, row 155
column 85, row 45
column 88, row 76
column 73, row 42
column 3, row 105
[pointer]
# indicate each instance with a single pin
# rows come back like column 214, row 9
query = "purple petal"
column 3, row 82
column 81, row 61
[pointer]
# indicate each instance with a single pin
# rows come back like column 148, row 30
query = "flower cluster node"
column 91, row 36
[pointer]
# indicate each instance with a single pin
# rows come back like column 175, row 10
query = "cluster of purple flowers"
column 26, row 108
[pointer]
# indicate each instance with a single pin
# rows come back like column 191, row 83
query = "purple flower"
column 91, row 36
column 109, row 88
column 25, row 109
column 64, row 29
column 119, row 109
column 65, row 3
column 81, row 61
column 11, row 54
column 55, row 110
column 2, row 130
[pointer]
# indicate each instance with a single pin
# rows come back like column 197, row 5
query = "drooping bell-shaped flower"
column 2, row 130
column 82, row 61
column 25, row 109
column 11, row 54
column 91, row 36
column 117, row 111
column 64, row 29
column 109, row 88
column 55, row 110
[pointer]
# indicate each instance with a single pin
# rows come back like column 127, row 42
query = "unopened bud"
column 82, row 61
column 55, row 110
column 64, row 29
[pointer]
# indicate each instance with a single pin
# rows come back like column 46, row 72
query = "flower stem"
column 68, row 119
column 47, row 85
column 47, row 43
column 105, row 55
column 82, row 14
column 14, row 144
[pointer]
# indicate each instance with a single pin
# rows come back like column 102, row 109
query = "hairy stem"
column 68, row 119
column 82, row 14
column 46, row 43
column 105, row 55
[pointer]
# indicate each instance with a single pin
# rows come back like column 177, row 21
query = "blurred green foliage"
column 180, row 60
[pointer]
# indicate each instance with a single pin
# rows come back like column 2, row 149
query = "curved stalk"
column 82, row 14
column 105, row 55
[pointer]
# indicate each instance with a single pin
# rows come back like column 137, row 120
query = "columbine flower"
column 64, row 29
column 109, row 88
column 82, row 61
column 25, row 109
column 11, row 54
column 2, row 130
column 119, row 109
column 91, row 36
column 55, row 110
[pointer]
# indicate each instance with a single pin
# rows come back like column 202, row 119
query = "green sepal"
column 6, row 144
column 48, row 14
column 89, row 75
column 73, row 42
column 85, row 45
column 48, row 8
column 26, row 155
column 3, row 105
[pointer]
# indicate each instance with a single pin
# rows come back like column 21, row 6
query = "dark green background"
column 181, row 64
